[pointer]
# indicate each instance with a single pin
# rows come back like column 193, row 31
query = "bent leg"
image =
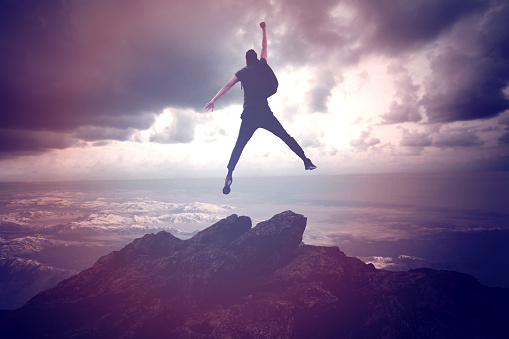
column 245, row 133
column 274, row 126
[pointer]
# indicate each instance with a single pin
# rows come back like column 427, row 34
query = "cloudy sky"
column 115, row 89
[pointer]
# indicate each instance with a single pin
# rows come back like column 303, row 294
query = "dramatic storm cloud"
column 470, row 70
column 79, row 75
column 108, row 64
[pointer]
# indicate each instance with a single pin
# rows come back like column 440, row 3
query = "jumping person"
column 256, row 112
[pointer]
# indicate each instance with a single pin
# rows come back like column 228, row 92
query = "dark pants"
column 271, row 124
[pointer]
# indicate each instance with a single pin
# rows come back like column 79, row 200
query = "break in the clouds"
column 179, row 130
column 84, row 73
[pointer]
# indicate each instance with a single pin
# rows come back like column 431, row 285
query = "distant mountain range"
column 44, row 240
column 238, row 281
column 108, row 215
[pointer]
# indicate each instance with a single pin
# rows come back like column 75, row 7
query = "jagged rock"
column 270, row 243
column 221, row 233
column 234, row 281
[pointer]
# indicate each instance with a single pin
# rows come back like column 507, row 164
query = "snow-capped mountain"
column 48, row 236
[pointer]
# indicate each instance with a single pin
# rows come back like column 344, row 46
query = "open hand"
column 262, row 24
column 210, row 105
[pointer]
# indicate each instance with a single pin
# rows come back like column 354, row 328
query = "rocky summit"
column 233, row 280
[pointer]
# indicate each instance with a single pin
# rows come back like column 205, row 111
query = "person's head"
column 251, row 57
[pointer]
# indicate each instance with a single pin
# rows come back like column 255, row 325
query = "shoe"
column 227, row 182
column 308, row 165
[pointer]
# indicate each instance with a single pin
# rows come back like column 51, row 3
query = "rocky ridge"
column 238, row 281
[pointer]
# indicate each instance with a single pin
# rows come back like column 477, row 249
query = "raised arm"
column 263, row 53
column 221, row 92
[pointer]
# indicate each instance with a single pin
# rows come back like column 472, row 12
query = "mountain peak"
column 235, row 280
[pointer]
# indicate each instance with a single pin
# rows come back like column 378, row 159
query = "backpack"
column 269, row 79
column 266, row 81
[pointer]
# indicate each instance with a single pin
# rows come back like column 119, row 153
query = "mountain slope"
column 231, row 280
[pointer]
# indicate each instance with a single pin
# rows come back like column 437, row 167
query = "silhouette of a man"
column 256, row 113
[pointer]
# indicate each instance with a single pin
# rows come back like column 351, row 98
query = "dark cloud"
column 471, row 70
column 20, row 142
column 465, row 88
column 415, row 142
column 457, row 138
column 308, row 34
column 395, row 26
column 103, row 69
column 504, row 138
column 111, row 64
column 347, row 30
column 336, row 34
column 401, row 112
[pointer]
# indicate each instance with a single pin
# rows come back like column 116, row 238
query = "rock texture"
column 21, row 279
column 234, row 281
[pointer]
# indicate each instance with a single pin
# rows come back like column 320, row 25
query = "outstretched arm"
column 263, row 53
column 221, row 92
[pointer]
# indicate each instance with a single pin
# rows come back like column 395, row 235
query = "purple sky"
column 116, row 88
